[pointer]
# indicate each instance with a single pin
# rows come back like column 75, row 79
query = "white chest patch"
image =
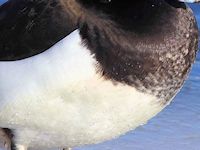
column 56, row 99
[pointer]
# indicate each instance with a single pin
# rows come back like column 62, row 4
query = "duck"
column 79, row 72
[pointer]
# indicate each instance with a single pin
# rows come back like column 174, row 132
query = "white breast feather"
column 56, row 99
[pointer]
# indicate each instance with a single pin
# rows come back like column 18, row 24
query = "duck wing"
column 29, row 27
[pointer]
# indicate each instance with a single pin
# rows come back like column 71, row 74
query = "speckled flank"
column 154, row 54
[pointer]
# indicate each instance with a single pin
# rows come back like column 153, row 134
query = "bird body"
column 67, row 78
column 82, row 107
column 108, row 76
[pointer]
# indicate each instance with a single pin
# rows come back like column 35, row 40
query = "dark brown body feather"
column 147, row 44
column 29, row 27
column 150, row 44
